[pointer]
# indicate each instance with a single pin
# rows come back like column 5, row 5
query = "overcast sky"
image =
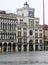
column 12, row 5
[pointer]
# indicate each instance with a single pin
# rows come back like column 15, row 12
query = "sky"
column 13, row 5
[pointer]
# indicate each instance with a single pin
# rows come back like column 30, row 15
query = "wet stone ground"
column 24, row 58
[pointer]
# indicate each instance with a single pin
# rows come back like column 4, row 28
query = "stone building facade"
column 21, row 31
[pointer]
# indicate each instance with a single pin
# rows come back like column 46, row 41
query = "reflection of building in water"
column 21, row 31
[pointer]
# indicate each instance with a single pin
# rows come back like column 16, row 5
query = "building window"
column 30, row 42
column 6, row 26
column 16, row 19
column 14, row 26
column 21, row 19
column 19, row 34
column 31, row 22
column 40, row 41
column 40, row 30
column 24, row 33
column 19, row 40
column 37, row 23
column 22, row 14
column 1, row 25
column 40, row 35
column 36, row 35
column 36, row 29
column 25, row 40
column 14, row 36
column 11, row 36
column 24, row 28
column 10, row 26
column 5, row 35
column 2, row 20
column 36, row 41
column 1, row 35
column 19, row 28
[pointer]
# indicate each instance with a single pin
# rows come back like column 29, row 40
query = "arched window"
column 10, row 26
column 30, row 42
column 1, row 25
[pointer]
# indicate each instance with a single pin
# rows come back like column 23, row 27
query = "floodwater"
column 25, row 58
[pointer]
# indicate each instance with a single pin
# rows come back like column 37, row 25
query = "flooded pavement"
column 25, row 58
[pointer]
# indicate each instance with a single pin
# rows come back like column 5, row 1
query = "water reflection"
column 25, row 58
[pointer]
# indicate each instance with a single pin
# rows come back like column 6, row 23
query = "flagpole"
column 44, row 24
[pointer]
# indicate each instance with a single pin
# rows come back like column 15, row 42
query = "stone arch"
column 9, row 47
column 31, row 45
column 5, row 47
column 0, row 47
column 0, row 44
column 30, row 42
column 19, row 47
column 25, row 47
column 14, row 47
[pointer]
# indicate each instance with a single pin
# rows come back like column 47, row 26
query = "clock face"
column 31, row 14
column 30, row 32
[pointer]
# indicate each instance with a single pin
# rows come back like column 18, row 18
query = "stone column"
column 34, row 47
column 2, row 47
column 11, row 46
column 7, row 46
column 16, row 48
column 28, row 48
column 7, row 49
column 39, row 48
column 22, row 48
